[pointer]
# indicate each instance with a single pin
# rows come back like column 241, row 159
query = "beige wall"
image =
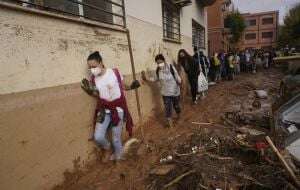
column 45, row 117
column 151, row 12
column 145, row 10
column 197, row 13
column 39, row 52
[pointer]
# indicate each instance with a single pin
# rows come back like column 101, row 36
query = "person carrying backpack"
column 170, row 82
column 107, row 86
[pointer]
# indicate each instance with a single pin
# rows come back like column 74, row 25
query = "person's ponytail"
column 95, row 56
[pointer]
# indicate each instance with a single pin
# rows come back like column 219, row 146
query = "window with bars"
column 267, row 35
column 106, row 11
column 251, row 22
column 250, row 36
column 266, row 47
column 198, row 35
column 267, row 20
column 171, row 20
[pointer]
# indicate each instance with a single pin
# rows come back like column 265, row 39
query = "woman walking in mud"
column 107, row 85
column 192, row 70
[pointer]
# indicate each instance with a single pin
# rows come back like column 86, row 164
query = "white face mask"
column 161, row 65
column 95, row 71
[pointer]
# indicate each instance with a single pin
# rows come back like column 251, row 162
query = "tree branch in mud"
column 177, row 179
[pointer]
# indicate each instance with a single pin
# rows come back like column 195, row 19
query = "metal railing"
column 106, row 11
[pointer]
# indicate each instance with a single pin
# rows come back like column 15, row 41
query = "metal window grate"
column 198, row 35
column 171, row 20
column 105, row 11
column 251, row 22
column 267, row 35
column 250, row 36
column 267, row 20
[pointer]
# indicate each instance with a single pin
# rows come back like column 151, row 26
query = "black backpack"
column 171, row 70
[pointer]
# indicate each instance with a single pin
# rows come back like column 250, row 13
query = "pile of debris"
column 220, row 158
column 254, row 108
column 235, row 155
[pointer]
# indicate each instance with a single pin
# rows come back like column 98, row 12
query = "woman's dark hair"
column 95, row 56
column 181, row 60
column 159, row 57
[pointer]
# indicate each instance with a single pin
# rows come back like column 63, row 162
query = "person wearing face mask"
column 107, row 85
column 170, row 83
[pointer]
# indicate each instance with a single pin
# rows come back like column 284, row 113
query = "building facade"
column 217, row 35
column 261, row 30
column 45, row 117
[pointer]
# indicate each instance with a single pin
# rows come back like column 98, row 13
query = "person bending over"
column 107, row 85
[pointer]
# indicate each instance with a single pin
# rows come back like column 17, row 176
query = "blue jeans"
column 101, row 131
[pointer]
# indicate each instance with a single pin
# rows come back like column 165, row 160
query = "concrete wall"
column 148, row 11
column 45, row 117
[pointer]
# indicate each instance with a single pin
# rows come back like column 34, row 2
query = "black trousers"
column 193, row 80
column 171, row 102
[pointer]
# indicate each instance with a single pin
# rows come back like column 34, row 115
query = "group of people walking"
column 170, row 77
column 108, row 87
column 227, row 65
column 199, row 71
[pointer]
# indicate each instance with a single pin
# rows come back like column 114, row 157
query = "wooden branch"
column 177, row 179
column 284, row 163
column 218, row 157
column 249, row 178
column 232, row 124
column 201, row 123
column 202, row 186
column 198, row 151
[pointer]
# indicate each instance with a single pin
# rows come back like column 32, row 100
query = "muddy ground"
column 219, row 162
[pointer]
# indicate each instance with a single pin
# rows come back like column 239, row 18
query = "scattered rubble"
column 210, row 160
column 236, row 156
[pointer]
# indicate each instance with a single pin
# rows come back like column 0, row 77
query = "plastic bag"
column 261, row 94
column 202, row 83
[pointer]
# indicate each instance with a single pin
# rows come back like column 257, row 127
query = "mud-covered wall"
column 45, row 117
column 39, row 52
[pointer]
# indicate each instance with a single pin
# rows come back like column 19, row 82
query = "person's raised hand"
column 144, row 75
column 135, row 84
column 85, row 85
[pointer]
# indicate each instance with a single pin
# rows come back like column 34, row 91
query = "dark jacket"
column 191, row 68
column 203, row 61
